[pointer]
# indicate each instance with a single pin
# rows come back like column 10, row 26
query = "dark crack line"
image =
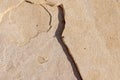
column 58, row 34
column 29, row 2
column 50, row 17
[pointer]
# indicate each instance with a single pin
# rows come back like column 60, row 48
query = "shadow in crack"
column 59, row 37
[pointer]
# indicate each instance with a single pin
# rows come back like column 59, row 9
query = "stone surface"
column 92, row 35
column 29, row 49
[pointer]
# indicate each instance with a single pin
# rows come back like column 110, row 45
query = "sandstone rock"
column 27, row 50
column 59, row 40
column 92, row 35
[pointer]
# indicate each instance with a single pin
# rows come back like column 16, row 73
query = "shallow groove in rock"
column 29, row 2
column 50, row 17
column 58, row 34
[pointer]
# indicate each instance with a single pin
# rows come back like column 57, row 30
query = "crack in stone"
column 50, row 17
column 46, row 11
column 16, row 6
column 32, row 3
column 58, row 34
column 27, row 1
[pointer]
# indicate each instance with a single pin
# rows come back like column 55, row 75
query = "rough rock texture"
column 59, row 39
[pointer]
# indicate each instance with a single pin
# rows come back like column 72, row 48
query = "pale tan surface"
column 29, row 52
column 92, row 34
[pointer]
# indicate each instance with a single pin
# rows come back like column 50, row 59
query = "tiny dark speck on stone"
column 84, row 48
column 37, row 25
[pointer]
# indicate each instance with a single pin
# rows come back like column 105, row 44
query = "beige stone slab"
column 92, row 35
column 27, row 50
column 30, row 50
